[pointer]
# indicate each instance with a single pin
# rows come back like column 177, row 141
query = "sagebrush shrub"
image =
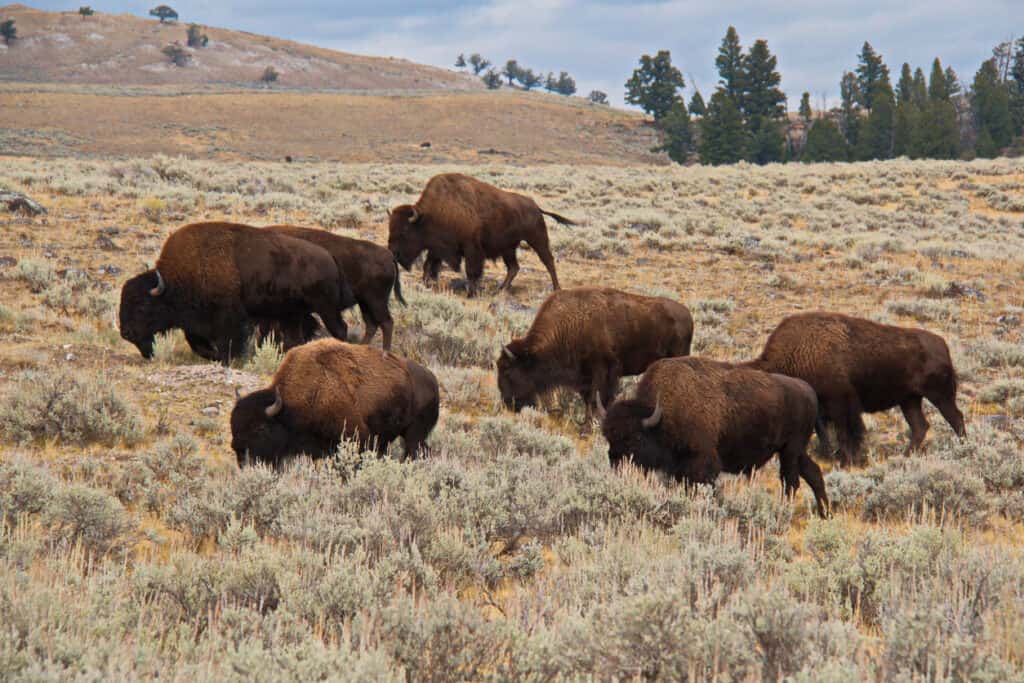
column 91, row 518
column 74, row 408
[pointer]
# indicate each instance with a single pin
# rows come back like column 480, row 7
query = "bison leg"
column 335, row 324
column 474, row 268
column 511, row 266
column 947, row 406
column 825, row 448
column 811, row 473
column 431, row 269
column 201, row 346
column 542, row 248
column 369, row 331
column 846, row 414
column 918, row 423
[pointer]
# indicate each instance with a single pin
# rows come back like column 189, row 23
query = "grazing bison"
column 858, row 366
column 588, row 338
column 370, row 270
column 214, row 279
column 326, row 390
column 460, row 217
column 694, row 418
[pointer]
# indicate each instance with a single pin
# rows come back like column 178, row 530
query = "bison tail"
column 561, row 219
column 398, row 285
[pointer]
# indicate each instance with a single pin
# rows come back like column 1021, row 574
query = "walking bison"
column 458, row 217
column 588, row 338
column 694, row 418
column 213, row 280
column 370, row 270
column 328, row 390
column 857, row 366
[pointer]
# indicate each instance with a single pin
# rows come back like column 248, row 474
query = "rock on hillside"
column 65, row 47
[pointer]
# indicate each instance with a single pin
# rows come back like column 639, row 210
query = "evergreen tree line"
column 528, row 79
column 922, row 117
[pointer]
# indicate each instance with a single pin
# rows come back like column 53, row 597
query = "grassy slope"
column 743, row 246
column 125, row 49
column 238, row 124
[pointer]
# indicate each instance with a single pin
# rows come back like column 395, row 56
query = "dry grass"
column 514, row 552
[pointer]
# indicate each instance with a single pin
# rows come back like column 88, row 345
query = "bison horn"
column 652, row 421
column 275, row 408
column 160, row 285
column 511, row 356
column 599, row 408
column 415, row 215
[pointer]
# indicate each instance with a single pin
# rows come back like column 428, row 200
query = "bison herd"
column 691, row 418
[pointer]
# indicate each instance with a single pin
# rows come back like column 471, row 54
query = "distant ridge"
column 124, row 49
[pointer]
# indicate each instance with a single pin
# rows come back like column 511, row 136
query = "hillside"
column 64, row 47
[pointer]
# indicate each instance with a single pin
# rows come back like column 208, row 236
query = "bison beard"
column 857, row 366
column 213, row 280
column 458, row 217
column 328, row 390
column 710, row 417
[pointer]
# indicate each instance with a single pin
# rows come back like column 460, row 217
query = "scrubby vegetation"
column 131, row 546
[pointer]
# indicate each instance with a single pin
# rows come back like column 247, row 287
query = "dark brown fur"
column 329, row 390
column 458, row 217
column 588, row 338
column 716, row 418
column 858, row 366
column 371, row 272
column 219, row 278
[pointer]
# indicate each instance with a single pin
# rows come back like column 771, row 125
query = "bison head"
column 521, row 378
column 406, row 236
column 144, row 310
column 631, row 429
column 257, row 431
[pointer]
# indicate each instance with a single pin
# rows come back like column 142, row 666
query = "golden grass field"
column 130, row 544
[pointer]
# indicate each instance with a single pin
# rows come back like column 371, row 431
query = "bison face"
column 631, row 429
column 517, row 377
column 406, row 237
column 257, row 433
column 144, row 311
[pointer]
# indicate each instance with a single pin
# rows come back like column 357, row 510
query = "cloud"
column 599, row 43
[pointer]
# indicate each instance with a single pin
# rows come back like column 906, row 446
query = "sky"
column 599, row 43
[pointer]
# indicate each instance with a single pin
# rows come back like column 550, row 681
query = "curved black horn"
column 655, row 417
column 275, row 408
column 511, row 356
column 599, row 408
column 161, row 286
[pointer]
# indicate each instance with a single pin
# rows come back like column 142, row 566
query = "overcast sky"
column 599, row 43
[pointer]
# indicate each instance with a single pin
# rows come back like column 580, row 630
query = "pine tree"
column 731, row 67
column 939, row 136
column 919, row 91
column 492, row 79
column 478, row 63
column 806, row 113
column 8, row 31
column 849, row 115
column 764, row 105
column 511, row 71
column 678, row 133
column 529, row 79
column 876, row 131
column 1017, row 89
column 697, row 106
column 655, row 85
column 566, row 84
column 550, row 82
column 938, row 89
column 460, row 61
column 723, row 135
column 872, row 73
column 825, row 142
column 990, row 102
column 905, row 87
column 952, row 82
column 906, row 130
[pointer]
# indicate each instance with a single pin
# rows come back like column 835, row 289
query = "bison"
column 858, row 366
column 458, row 217
column 328, row 390
column 213, row 280
column 588, row 338
column 371, row 272
column 694, row 418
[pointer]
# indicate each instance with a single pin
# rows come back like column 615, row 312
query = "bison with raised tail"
column 458, row 217
column 371, row 272
column 858, row 366
column 328, row 390
column 213, row 280
column 588, row 338
column 694, row 418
